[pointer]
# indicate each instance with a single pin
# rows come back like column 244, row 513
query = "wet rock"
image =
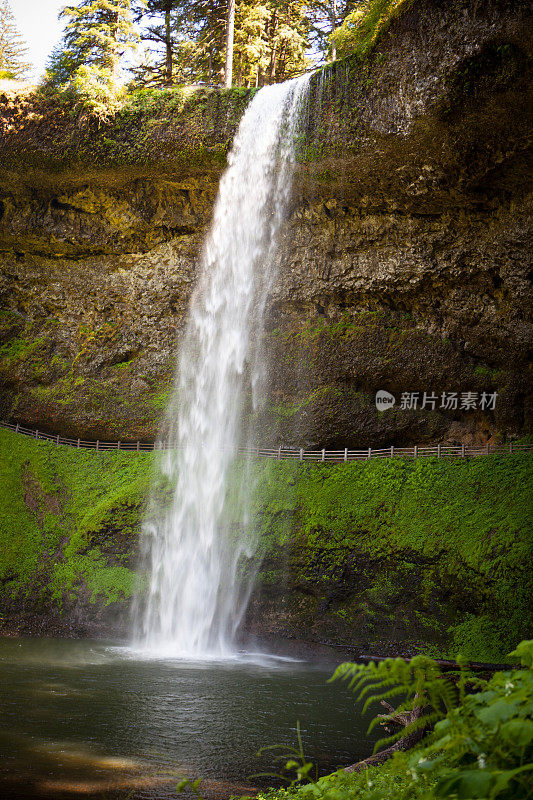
column 404, row 264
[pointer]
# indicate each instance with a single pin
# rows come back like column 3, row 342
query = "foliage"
column 12, row 48
column 97, row 34
column 324, row 17
column 420, row 683
column 169, row 28
column 481, row 748
column 453, row 538
column 97, row 89
column 363, row 27
column 443, row 545
column 69, row 519
column 295, row 768
column 270, row 40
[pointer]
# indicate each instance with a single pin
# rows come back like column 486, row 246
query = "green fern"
column 421, row 684
column 482, row 748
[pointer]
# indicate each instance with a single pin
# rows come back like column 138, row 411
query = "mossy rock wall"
column 385, row 556
column 404, row 263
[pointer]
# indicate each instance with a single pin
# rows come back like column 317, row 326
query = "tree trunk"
column 333, row 26
column 405, row 743
column 229, row 44
column 168, row 45
column 273, row 54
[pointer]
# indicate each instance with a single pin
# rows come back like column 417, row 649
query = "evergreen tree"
column 325, row 16
column 97, row 34
column 159, row 18
column 187, row 42
column 271, row 39
column 12, row 48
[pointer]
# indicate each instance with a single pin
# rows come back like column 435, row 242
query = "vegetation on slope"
column 364, row 26
column 435, row 552
column 429, row 550
column 68, row 520
column 482, row 747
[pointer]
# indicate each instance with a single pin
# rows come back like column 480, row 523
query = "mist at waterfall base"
column 200, row 563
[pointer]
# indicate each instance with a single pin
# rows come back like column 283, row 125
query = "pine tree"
column 97, row 34
column 160, row 21
column 325, row 16
column 12, row 48
column 271, row 39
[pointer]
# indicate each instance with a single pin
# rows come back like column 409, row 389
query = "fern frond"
column 419, row 683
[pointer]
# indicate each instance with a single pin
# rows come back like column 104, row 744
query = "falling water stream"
column 195, row 599
column 95, row 719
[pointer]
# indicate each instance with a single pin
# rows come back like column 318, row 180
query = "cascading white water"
column 195, row 600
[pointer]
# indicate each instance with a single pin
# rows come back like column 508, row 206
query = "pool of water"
column 87, row 719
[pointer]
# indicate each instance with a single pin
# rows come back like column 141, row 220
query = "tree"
column 325, row 16
column 12, row 48
column 159, row 28
column 230, row 30
column 186, row 42
column 243, row 42
column 271, row 39
column 97, row 34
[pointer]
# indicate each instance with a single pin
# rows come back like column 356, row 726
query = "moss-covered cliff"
column 380, row 556
column 404, row 264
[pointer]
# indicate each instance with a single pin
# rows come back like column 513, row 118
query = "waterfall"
column 196, row 594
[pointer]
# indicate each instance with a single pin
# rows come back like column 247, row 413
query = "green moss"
column 436, row 550
column 287, row 410
column 54, row 501
column 183, row 126
column 363, row 27
column 440, row 538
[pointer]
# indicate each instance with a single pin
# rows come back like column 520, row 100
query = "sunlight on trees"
column 13, row 51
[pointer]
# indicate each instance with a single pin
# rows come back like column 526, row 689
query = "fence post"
column 369, row 452
column 416, row 451
column 97, row 444
column 57, row 440
column 78, row 445
column 346, row 454
column 510, row 447
column 118, row 445
column 36, row 434
column 323, row 455
column 301, row 454
column 17, row 428
column 391, row 450
column 137, row 446
column 438, row 451
column 279, row 452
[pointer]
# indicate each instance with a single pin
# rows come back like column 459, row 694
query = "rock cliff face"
column 404, row 264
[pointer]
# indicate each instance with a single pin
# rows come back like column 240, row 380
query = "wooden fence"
column 285, row 453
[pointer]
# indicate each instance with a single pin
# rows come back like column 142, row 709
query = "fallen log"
column 393, row 718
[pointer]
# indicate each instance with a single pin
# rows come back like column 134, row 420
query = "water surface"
column 83, row 719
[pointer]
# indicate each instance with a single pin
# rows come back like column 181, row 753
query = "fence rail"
column 292, row 454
